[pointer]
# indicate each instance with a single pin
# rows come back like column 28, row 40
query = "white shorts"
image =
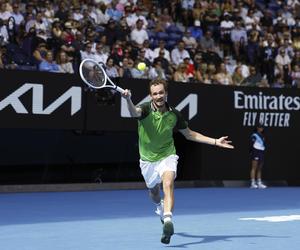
column 153, row 171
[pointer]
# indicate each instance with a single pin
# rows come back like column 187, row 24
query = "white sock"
column 253, row 181
column 259, row 181
column 167, row 217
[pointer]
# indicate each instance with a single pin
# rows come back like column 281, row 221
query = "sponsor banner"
column 41, row 100
column 272, row 109
column 47, row 100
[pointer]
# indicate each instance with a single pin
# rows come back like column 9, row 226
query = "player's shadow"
column 213, row 238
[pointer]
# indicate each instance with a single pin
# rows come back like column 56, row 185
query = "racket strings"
column 93, row 74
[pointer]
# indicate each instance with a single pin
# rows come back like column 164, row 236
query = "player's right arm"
column 133, row 110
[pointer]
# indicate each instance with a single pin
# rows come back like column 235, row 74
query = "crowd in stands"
column 226, row 42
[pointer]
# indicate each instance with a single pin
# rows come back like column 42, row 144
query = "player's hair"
column 157, row 82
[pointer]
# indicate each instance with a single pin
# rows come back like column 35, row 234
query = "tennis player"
column 158, row 159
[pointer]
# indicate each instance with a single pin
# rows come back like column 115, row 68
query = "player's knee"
column 168, row 184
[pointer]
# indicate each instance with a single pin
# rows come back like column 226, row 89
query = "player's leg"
column 155, row 196
column 167, row 169
column 253, row 172
column 168, row 189
column 153, row 181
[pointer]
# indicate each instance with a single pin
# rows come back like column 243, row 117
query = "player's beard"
column 160, row 103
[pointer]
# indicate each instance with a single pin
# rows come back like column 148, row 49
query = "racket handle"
column 119, row 89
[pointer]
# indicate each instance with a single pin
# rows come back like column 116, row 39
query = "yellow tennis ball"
column 141, row 66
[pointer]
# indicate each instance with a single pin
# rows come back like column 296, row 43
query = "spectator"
column 87, row 53
column 267, row 19
column 237, row 77
column 63, row 63
column 62, row 11
column 102, row 16
column 138, row 34
column 239, row 39
column 56, row 31
column 211, row 20
column 117, row 52
column 210, row 56
column 77, row 15
column 253, row 79
column 157, row 71
column 187, row 11
column 5, row 60
column 67, row 35
column 287, row 47
column 165, row 20
column 149, row 53
column 180, row 73
column 209, row 73
column 189, row 41
column 48, row 64
column 198, row 11
column 165, row 64
column 190, row 69
column 4, row 38
column 40, row 52
column 126, row 67
column 227, row 6
column 4, row 13
column 223, row 77
column 196, row 30
column 111, row 32
column 99, row 54
column 283, row 65
column 253, row 49
column 17, row 15
column 123, row 34
column 161, row 47
column 225, row 30
column 268, row 54
column 111, row 69
column 140, row 16
column 244, row 67
column 130, row 16
column 278, row 82
column 179, row 53
column 295, row 75
column 207, row 42
column 249, row 20
column 113, row 12
column 230, row 67
column 142, row 57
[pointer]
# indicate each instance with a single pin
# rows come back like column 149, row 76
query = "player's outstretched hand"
column 126, row 94
column 224, row 143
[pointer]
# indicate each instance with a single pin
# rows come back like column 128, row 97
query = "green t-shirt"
column 155, row 131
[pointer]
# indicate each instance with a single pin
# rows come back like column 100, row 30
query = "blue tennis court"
column 204, row 218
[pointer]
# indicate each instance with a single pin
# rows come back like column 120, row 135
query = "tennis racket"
column 94, row 75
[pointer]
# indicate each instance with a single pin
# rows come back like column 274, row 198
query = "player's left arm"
column 197, row 137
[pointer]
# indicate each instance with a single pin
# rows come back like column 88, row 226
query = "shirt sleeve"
column 181, row 122
column 145, row 110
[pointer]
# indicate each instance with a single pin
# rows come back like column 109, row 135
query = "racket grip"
column 119, row 89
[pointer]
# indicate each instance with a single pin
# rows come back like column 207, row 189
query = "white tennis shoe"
column 253, row 185
column 261, row 185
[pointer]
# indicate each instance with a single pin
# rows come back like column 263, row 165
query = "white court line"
column 281, row 218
